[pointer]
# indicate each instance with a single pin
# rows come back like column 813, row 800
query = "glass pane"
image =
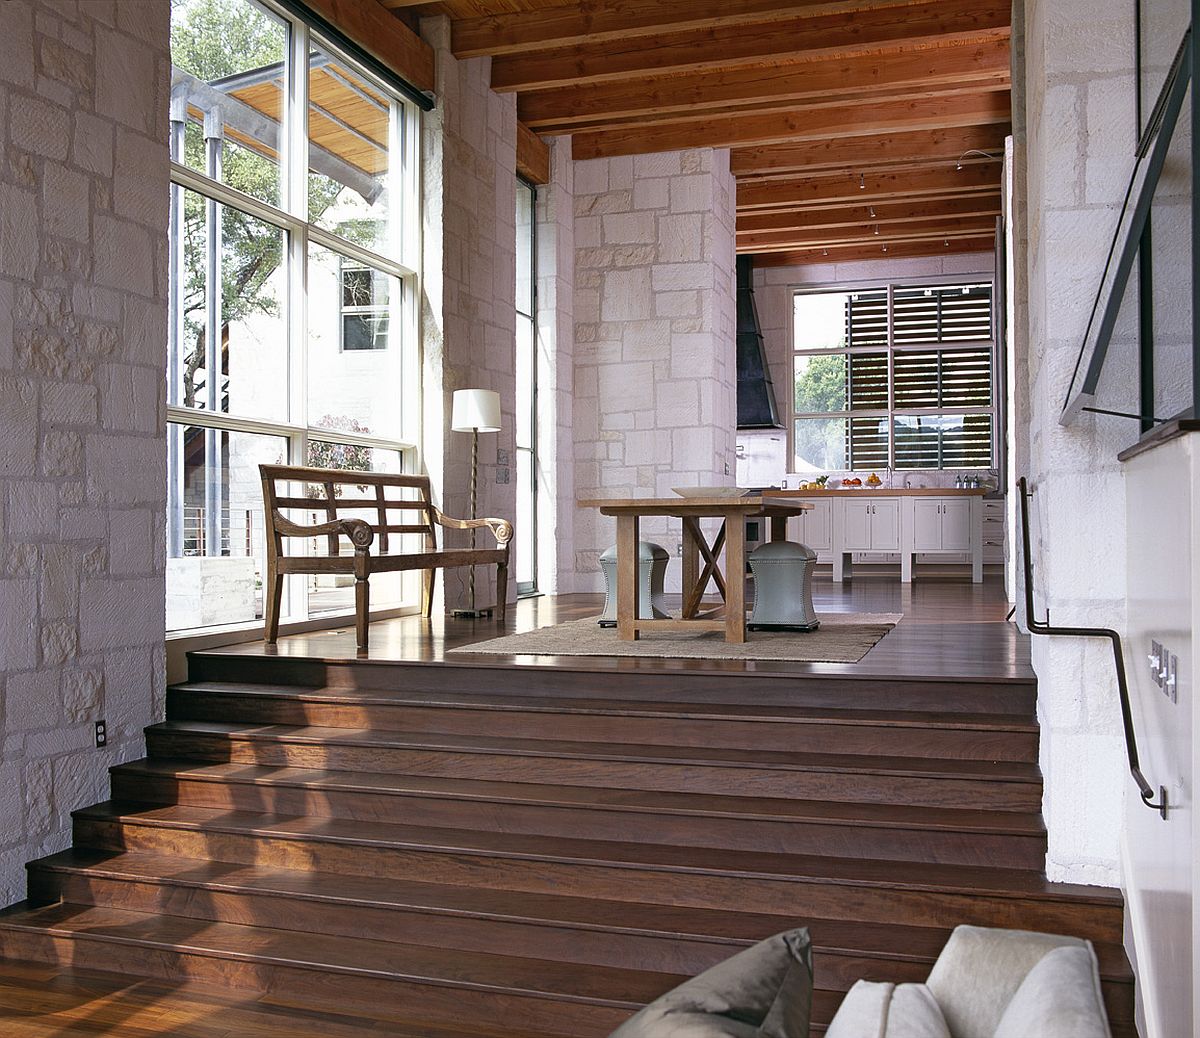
column 216, row 546
column 868, row 381
column 350, row 130
column 525, row 220
column 248, row 312
column 525, row 376
column 943, row 378
column 943, row 441
column 942, row 313
column 526, row 562
column 820, row 382
column 820, row 444
column 869, row 442
column 835, row 320
column 354, row 360
column 228, row 61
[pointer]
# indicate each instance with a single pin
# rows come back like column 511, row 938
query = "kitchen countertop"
column 883, row 492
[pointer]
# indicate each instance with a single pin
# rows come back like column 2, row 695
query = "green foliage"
column 821, row 384
column 323, row 454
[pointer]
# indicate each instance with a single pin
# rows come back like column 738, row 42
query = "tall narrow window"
column 897, row 376
column 292, row 324
column 526, row 372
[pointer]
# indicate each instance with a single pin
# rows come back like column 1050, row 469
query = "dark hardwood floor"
column 528, row 847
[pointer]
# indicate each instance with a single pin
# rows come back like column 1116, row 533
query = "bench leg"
column 501, row 591
column 274, row 602
column 362, row 611
column 428, row 583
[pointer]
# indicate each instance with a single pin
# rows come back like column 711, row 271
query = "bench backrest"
column 390, row 504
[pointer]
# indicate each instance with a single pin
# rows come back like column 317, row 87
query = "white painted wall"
column 83, row 235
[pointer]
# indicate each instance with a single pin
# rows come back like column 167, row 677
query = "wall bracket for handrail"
column 1046, row 628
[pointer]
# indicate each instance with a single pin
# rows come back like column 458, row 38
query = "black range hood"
column 755, row 393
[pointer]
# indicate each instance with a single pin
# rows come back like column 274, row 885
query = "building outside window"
column 894, row 376
column 293, row 272
column 525, row 563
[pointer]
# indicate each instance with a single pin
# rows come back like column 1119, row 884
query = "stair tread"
column 1000, row 771
column 752, row 712
column 830, row 936
column 1027, row 823
column 601, row 985
column 965, row 879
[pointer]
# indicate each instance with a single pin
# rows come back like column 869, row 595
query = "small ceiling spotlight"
column 946, row 243
column 877, row 228
column 824, row 252
column 973, row 151
column 885, row 246
column 872, row 211
column 862, row 182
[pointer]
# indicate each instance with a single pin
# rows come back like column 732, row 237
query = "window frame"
column 890, row 348
column 291, row 217
column 530, row 588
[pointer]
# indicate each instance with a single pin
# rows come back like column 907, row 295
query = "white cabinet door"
column 956, row 524
column 885, row 524
column 817, row 528
column 927, row 524
column 856, row 525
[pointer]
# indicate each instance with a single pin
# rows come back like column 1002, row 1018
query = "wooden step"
column 396, row 981
column 920, row 894
column 1005, row 838
column 1012, row 737
column 661, row 938
column 968, row 785
column 587, row 678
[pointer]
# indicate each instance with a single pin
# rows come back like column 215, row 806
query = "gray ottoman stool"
column 652, row 567
column 783, row 586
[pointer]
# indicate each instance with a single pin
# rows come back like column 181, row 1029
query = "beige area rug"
column 841, row 638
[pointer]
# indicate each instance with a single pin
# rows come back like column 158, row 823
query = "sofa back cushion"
column 1059, row 998
column 873, row 1009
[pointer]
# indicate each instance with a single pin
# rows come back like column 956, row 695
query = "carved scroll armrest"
column 360, row 533
column 501, row 529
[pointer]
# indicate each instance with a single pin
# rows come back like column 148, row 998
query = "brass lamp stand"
column 474, row 411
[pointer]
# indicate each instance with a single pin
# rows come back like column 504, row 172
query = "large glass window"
column 292, row 332
column 526, row 395
column 898, row 376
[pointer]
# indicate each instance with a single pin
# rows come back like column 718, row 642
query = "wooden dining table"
column 731, row 537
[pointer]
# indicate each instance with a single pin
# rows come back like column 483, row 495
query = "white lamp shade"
column 475, row 410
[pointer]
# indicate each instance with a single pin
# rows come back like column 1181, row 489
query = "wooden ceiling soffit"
column 794, row 38
column 859, row 251
column 927, row 69
column 942, row 145
column 560, row 26
column 966, row 227
column 848, row 188
column 798, row 124
column 368, row 24
column 533, row 156
column 882, row 215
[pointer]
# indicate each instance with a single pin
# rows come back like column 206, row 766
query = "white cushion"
column 878, row 1010
column 1060, row 998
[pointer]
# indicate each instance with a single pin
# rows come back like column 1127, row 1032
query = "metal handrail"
column 1046, row 628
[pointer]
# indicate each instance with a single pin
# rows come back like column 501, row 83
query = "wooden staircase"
column 537, row 851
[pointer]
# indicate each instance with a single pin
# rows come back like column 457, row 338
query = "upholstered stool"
column 652, row 568
column 783, row 586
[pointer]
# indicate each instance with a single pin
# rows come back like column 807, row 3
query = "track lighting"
column 973, row 151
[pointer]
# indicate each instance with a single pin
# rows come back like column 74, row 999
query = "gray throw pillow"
column 764, row 991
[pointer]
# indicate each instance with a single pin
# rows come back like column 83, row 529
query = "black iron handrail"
column 1038, row 627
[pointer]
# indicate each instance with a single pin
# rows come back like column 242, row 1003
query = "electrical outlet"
column 1171, row 681
column 679, row 549
column 1155, row 660
column 101, row 734
column 502, row 475
column 502, row 456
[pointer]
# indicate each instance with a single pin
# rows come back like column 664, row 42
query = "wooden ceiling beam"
column 598, row 21
column 883, row 214
column 369, row 25
column 794, row 38
column 969, row 227
column 856, row 252
column 928, row 68
column 533, row 156
column 804, row 124
column 842, row 189
column 944, row 144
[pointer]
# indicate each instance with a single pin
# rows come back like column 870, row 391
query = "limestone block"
column 591, row 177
column 125, row 255
column 626, row 296
column 18, row 427
column 681, row 238
column 32, row 699
column 658, row 164
column 651, row 193
column 92, row 144
column 59, row 577
column 206, row 592
column 6, row 326
column 121, row 60
column 62, row 454
column 38, row 127
column 629, row 229
column 125, row 469
column 106, row 604
column 58, row 642
column 82, row 694
column 32, row 510
column 691, row 194
column 66, row 206
column 16, row 44
column 132, row 538
column 18, row 232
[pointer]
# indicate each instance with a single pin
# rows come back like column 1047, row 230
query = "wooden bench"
column 336, row 492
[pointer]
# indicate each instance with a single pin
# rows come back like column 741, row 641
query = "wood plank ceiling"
column 857, row 128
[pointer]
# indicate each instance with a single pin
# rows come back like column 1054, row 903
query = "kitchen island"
column 930, row 521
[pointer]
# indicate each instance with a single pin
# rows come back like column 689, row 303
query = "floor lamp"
column 474, row 411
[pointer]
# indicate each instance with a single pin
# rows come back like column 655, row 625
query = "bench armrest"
column 360, row 533
column 501, row 529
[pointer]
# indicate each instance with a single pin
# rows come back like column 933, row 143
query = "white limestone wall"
column 655, row 366
column 1081, row 132
column 83, row 218
column 556, row 375
column 468, row 165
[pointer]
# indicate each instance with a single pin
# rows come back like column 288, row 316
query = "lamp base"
column 472, row 614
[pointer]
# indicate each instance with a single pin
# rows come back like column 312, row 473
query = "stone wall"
column 468, row 304
column 655, row 368
column 1081, row 131
column 83, row 219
